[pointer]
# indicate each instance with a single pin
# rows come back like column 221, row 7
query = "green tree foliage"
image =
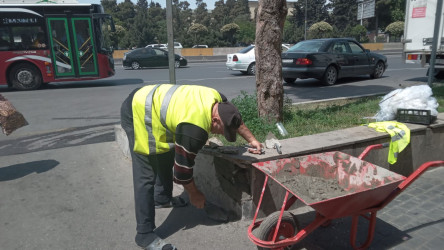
column 294, row 29
column 145, row 22
column 344, row 12
column 219, row 15
column 247, row 32
column 197, row 30
column 141, row 32
column 240, row 11
column 201, row 14
column 229, row 30
column 389, row 11
column 292, row 33
column 396, row 29
column 359, row 32
column 125, row 13
column 320, row 30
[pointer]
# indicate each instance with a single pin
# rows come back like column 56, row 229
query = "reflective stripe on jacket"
column 158, row 109
column 400, row 137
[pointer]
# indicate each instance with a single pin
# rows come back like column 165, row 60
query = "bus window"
column 61, row 46
column 5, row 41
column 105, row 42
column 84, row 45
column 26, row 38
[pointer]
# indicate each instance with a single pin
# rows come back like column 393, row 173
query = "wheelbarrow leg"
column 370, row 232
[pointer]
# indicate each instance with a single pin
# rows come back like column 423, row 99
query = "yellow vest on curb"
column 158, row 109
column 400, row 137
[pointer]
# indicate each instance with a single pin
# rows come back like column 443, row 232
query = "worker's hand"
column 197, row 199
column 256, row 147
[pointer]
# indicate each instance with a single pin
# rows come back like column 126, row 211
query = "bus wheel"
column 25, row 76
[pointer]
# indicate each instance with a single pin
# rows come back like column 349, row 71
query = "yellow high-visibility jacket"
column 400, row 137
column 158, row 109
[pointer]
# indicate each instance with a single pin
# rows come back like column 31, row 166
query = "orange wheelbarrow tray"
column 335, row 185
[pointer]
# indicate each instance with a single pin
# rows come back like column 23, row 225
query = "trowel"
column 272, row 142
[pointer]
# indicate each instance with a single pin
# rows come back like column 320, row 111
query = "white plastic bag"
column 415, row 97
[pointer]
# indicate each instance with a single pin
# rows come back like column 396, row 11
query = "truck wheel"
column 25, row 76
column 439, row 75
column 379, row 70
column 287, row 229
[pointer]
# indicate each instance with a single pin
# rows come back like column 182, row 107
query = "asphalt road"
column 74, row 113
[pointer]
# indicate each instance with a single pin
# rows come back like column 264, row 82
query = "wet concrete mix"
column 310, row 188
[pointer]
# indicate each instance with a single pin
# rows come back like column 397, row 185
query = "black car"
column 330, row 59
column 150, row 57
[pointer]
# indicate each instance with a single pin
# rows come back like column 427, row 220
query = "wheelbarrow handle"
column 372, row 147
column 411, row 178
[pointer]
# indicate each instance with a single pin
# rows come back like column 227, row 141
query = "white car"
column 176, row 45
column 245, row 61
column 200, row 46
column 157, row 45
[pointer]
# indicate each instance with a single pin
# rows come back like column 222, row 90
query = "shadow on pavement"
column 337, row 234
column 59, row 139
column 184, row 218
column 18, row 171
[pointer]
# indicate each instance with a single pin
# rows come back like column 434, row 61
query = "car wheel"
column 330, row 76
column 135, row 65
column 379, row 70
column 252, row 69
column 25, row 76
column 289, row 80
column 177, row 64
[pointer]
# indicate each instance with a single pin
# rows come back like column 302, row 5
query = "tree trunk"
column 269, row 27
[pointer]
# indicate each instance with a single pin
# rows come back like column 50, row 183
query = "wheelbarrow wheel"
column 288, row 228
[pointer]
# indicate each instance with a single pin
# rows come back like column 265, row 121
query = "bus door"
column 72, row 46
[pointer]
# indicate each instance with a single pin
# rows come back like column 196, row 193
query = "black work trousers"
column 152, row 175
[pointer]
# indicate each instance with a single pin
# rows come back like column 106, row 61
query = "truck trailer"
column 418, row 35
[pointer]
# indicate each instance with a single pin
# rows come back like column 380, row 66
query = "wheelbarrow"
column 335, row 185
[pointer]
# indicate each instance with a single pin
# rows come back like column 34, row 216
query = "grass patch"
column 313, row 118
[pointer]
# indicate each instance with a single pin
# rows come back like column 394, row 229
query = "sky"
column 210, row 3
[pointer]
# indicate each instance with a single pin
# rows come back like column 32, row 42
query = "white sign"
column 366, row 9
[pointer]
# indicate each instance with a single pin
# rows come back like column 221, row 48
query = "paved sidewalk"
column 80, row 197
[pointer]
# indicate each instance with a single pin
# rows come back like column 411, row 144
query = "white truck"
column 418, row 34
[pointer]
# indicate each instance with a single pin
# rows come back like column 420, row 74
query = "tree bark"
column 269, row 27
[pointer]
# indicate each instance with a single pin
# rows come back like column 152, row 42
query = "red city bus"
column 41, row 43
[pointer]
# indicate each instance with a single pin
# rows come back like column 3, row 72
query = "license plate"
column 287, row 60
